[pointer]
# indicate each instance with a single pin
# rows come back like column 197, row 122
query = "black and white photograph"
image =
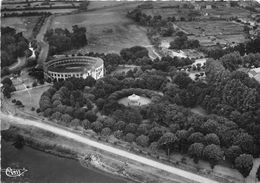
column 130, row 91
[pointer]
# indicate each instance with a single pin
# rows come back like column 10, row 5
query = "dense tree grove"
column 229, row 131
column 13, row 45
column 182, row 42
column 61, row 40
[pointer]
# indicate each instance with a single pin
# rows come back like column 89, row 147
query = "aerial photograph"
column 130, row 91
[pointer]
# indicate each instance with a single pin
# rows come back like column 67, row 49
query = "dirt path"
column 40, row 38
column 21, row 61
column 71, row 135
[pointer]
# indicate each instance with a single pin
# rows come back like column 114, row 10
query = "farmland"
column 211, row 28
column 108, row 29
column 211, row 32
column 21, row 24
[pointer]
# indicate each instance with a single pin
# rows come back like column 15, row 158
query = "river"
column 46, row 168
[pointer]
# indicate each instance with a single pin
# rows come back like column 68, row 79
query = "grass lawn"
column 21, row 24
column 108, row 29
column 30, row 97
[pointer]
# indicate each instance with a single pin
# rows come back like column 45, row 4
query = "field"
column 211, row 28
column 225, row 12
column 21, row 24
column 108, row 29
column 37, row 5
column 30, row 97
column 211, row 32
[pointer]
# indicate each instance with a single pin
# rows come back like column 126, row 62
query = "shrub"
column 106, row 131
column 18, row 102
column 142, row 140
column 130, row 137
column 97, row 126
column 34, row 84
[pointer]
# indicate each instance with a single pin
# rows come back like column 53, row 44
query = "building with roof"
column 255, row 73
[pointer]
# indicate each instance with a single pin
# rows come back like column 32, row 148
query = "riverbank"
column 44, row 145
column 39, row 164
column 115, row 165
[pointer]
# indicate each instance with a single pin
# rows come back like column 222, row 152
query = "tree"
column 231, row 61
column 154, row 146
column 195, row 151
column 75, row 123
column 97, row 126
column 167, row 141
column 182, row 135
column 7, row 81
column 109, row 122
column 131, row 128
column 47, row 112
column 209, row 126
column 245, row 142
column 100, row 103
column 142, row 140
column 86, row 124
column 66, row 119
column 182, row 79
column 211, row 138
column 155, row 134
column 118, row 134
column 106, row 131
column 232, row 153
column 143, row 129
column 120, row 125
column 130, row 137
column 56, row 116
column 91, row 116
column 196, row 137
column 213, row 154
column 244, row 164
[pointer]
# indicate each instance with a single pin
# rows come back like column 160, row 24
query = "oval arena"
column 75, row 66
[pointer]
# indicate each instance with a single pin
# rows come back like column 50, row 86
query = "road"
column 40, row 38
column 71, row 135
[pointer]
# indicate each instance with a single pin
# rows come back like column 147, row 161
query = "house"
column 255, row 73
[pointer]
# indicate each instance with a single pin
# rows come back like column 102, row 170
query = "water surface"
column 46, row 168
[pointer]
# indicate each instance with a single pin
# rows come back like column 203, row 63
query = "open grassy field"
column 30, row 97
column 108, row 29
column 21, row 24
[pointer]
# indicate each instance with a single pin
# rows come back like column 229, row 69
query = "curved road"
column 68, row 134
